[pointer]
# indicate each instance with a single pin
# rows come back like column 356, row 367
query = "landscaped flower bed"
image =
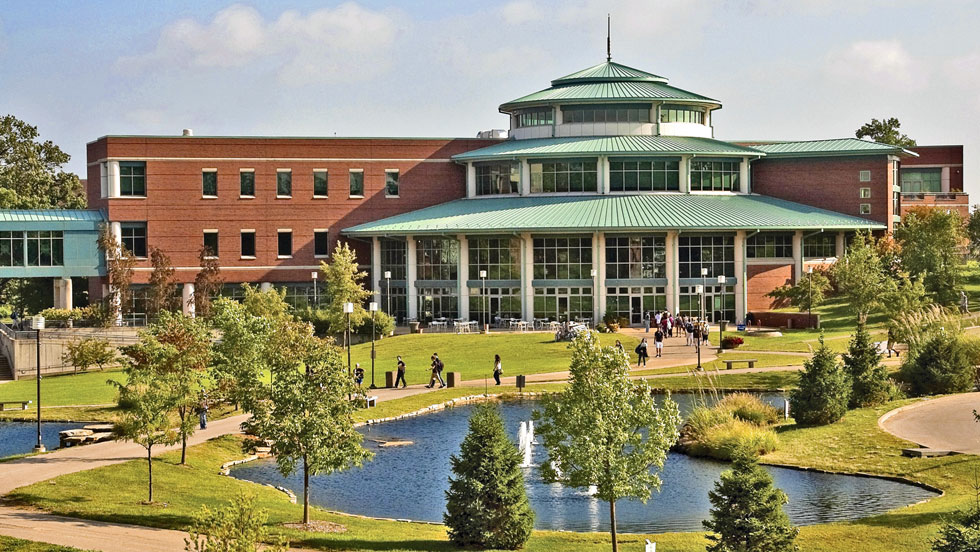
column 731, row 342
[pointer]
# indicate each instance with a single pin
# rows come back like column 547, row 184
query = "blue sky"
column 802, row 69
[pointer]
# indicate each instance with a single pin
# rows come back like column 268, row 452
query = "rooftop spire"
column 608, row 41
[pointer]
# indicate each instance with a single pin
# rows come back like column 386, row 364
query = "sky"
column 784, row 69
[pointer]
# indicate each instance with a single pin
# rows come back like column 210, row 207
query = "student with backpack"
column 641, row 353
column 497, row 369
column 401, row 374
column 437, row 367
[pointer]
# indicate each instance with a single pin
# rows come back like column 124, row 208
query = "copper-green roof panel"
column 606, row 145
column 608, row 71
column 630, row 91
column 660, row 212
column 836, row 146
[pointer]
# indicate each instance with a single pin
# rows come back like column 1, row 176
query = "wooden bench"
column 751, row 362
column 371, row 401
column 23, row 404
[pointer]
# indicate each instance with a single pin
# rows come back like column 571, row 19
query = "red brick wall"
column 951, row 156
column 828, row 183
column 763, row 278
column 177, row 215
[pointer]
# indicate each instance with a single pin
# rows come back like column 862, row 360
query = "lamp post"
column 348, row 309
column 38, row 326
column 697, row 334
column 373, row 307
column 388, row 282
column 809, row 296
column 704, row 310
column 721, row 282
column 314, row 275
column 484, row 315
column 595, row 317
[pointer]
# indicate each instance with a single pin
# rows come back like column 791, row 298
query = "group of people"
column 436, row 366
column 667, row 325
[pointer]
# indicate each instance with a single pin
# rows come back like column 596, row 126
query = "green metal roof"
column 51, row 215
column 836, row 146
column 660, row 211
column 606, row 145
column 606, row 72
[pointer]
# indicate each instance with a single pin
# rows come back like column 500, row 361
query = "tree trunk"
column 306, row 491
column 149, row 466
column 612, row 524
column 183, row 437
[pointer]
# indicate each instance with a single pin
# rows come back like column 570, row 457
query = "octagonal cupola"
column 610, row 99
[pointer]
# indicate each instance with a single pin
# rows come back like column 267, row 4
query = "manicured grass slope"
column 8, row 544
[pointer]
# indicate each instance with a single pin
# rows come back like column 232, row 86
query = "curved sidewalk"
column 945, row 423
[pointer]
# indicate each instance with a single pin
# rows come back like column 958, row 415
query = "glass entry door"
column 636, row 310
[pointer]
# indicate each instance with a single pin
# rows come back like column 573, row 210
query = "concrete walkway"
column 945, row 423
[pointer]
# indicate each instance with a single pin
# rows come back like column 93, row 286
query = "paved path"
column 945, row 423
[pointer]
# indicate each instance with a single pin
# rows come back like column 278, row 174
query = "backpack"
column 439, row 365
column 638, row 348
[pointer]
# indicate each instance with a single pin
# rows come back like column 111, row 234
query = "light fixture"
column 372, row 306
column 348, row 308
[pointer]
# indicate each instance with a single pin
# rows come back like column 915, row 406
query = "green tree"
column 27, row 295
column 344, row 285
column 119, row 274
column 307, row 418
column 870, row 384
column 207, row 282
column 147, row 402
column 942, row 365
column 885, row 131
column 82, row 354
column 860, row 276
column 747, row 511
column 486, row 504
column 806, row 294
column 930, row 240
column 605, row 429
column 973, row 231
column 31, row 171
column 824, row 390
column 161, row 294
column 239, row 527
column 903, row 297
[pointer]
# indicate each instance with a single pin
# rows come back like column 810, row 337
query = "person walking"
column 689, row 332
column 964, row 303
column 890, row 344
column 437, row 367
column 358, row 374
column 497, row 369
column 641, row 353
column 705, row 333
column 646, row 322
column 619, row 345
column 658, row 341
column 401, row 374
column 202, row 411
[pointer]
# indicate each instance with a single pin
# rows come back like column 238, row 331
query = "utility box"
column 454, row 379
column 521, row 382
column 389, row 379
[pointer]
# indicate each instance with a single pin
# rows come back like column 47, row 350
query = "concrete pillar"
column 66, row 290
column 376, row 274
column 187, row 299
column 470, row 180
column 840, row 245
column 741, row 288
column 411, row 295
column 599, row 265
column 684, row 174
column 527, row 275
column 797, row 255
column 525, row 177
column 463, row 276
column 263, row 287
column 943, row 180
column 743, row 176
column 116, row 229
column 603, row 176
column 112, row 169
column 103, row 180
column 670, row 258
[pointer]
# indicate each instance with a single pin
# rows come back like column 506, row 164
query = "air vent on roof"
column 188, row 132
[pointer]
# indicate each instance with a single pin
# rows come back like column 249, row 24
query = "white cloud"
column 345, row 43
column 883, row 63
column 964, row 73
column 3, row 39
column 521, row 11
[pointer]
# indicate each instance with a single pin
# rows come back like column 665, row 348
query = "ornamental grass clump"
column 738, row 423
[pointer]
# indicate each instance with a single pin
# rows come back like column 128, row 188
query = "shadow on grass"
column 901, row 520
column 340, row 543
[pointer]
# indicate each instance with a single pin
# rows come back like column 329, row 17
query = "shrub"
column 613, row 327
column 807, row 293
column 702, row 419
column 601, row 327
column 624, row 322
column 57, row 314
column 383, row 322
column 749, row 408
column 486, row 504
column 731, row 342
column 317, row 317
column 611, row 317
column 943, row 365
column 726, row 441
column 240, row 527
column 870, row 384
column 961, row 533
column 824, row 390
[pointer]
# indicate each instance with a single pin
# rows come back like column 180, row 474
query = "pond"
column 409, row 482
column 20, row 437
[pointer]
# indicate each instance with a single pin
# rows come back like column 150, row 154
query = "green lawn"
column 760, row 381
column 9, row 544
column 763, row 360
column 472, row 354
column 86, row 388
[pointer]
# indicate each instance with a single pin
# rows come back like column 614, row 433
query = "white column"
column 376, row 274
column 603, row 174
column 112, row 167
column 598, row 264
column 743, row 176
column 741, row 289
column 411, row 295
column 116, row 229
column 840, row 245
column 525, row 177
column 104, row 180
column 684, row 174
column 470, row 180
column 797, row 255
column 670, row 259
column 527, row 275
column 463, row 276
column 187, row 299
column 263, row 287
column 66, row 290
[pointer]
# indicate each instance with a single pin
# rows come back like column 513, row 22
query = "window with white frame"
column 211, row 243
column 865, row 193
column 284, row 182
column 391, row 182
column 865, row 208
column 209, row 182
column 356, row 179
column 864, row 176
column 320, row 177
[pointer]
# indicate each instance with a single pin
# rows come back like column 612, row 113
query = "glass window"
column 357, row 183
column 395, row 302
column 211, row 243
column 681, row 114
column 11, row 249
column 500, row 257
column 716, row 253
column 535, row 117
column 622, row 113
column 393, row 253
column 320, row 243
column 497, row 178
column 864, row 176
column 563, row 176
column 865, row 193
column 45, row 248
column 619, row 300
column 437, row 259
column 562, row 258
column 391, row 183
column 284, row 183
column 209, row 183
column 636, row 257
column 563, row 303
column 285, row 243
column 501, row 302
column 865, row 208
column 645, row 175
column 820, row 245
column 134, row 237
column 921, row 180
column 715, row 175
column 248, row 244
column 247, row 183
column 132, row 178
column 438, row 303
column 298, row 295
column 320, row 183
column 767, row 245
